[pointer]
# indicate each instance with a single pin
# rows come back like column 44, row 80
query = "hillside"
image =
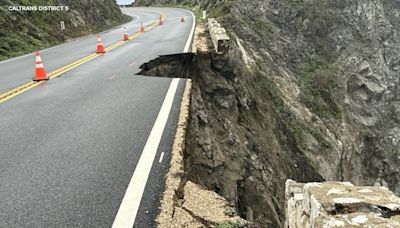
column 309, row 91
column 26, row 31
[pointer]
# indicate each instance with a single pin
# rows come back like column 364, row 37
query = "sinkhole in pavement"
column 170, row 66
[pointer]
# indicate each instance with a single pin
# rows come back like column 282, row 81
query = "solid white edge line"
column 129, row 207
column 130, row 204
column 189, row 41
column 161, row 157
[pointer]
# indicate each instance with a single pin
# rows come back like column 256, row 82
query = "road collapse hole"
column 170, row 66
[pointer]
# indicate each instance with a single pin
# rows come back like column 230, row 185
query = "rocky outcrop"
column 308, row 91
column 25, row 31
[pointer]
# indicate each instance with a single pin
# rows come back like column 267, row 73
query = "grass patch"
column 228, row 225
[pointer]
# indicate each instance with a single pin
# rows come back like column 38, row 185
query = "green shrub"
column 229, row 224
column 319, row 84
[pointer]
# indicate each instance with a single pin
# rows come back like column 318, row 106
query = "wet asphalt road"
column 69, row 147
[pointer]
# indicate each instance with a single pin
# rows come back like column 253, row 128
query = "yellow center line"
column 56, row 73
column 68, row 67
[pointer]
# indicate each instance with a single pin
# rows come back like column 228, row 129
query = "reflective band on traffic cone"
column 100, row 47
column 160, row 20
column 125, row 35
column 40, row 73
column 182, row 19
column 142, row 27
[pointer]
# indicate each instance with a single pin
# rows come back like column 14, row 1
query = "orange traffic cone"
column 125, row 35
column 142, row 27
column 160, row 21
column 182, row 19
column 40, row 73
column 100, row 47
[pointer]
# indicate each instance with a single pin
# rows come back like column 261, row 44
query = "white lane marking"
column 69, row 42
column 161, row 157
column 189, row 41
column 137, row 18
column 129, row 207
column 141, row 9
column 15, row 58
column 130, row 203
column 124, row 25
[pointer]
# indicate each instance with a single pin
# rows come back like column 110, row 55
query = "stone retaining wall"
column 218, row 35
column 340, row 204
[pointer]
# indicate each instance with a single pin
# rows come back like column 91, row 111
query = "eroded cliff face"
column 309, row 91
column 25, row 31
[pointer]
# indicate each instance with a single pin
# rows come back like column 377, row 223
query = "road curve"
column 19, row 70
column 69, row 147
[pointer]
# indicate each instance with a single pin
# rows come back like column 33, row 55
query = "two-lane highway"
column 19, row 70
column 69, row 148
